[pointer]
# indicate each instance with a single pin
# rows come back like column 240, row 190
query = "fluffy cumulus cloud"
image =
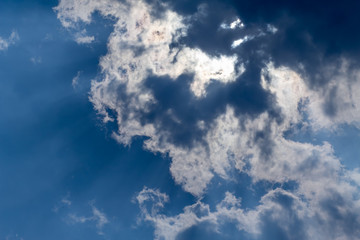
column 190, row 104
column 280, row 214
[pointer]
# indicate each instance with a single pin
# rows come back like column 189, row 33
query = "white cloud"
column 233, row 25
column 136, row 28
column 354, row 176
column 324, row 196
column 75, row 80
column 240, row 41
column 226, row 144
column 98, row 217
column 334, row 104
column 71, row 12
column 64, row 202
column 292, row 214
column 168, row 227
column 271, row 28
column 314, row 168
column 227, row 211
column 36, row 60
column 83, row 38
column 15, row 236
column 339, row 101
column 5, row 43
column 122, row 66
column 139, row 47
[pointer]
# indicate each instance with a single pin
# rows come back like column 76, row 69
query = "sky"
column 179, row 120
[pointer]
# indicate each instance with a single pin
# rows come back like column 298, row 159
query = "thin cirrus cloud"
column 97, row 217
column 163, row 89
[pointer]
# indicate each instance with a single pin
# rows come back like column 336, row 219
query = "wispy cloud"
column 64, row 202
column 36, row 60
column 15, row 236
column 11, row 40
column 97, row 217
column 75, row 80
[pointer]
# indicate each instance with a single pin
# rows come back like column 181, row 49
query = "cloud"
column 130, row 71
column 168, row 227
column 144, row 44
column 5, row 43
column 15, row 236
column 238, row 42
column 75, row 80
column 280, row 214
column 139, row 32
column 229, row 108
column 82, row 37
column 334, row 104
column 85, row 39
column 36, row 60
column 98, row 217
column 64, row 202
column 233, row 25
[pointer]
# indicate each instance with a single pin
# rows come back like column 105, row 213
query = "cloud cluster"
column 324, row 196
column 212, row 113
column 280, row 214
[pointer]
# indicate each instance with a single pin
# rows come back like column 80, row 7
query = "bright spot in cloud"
column 233, row 25
column 240, row 41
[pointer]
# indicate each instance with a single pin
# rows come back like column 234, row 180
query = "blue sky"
column 179, row 120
